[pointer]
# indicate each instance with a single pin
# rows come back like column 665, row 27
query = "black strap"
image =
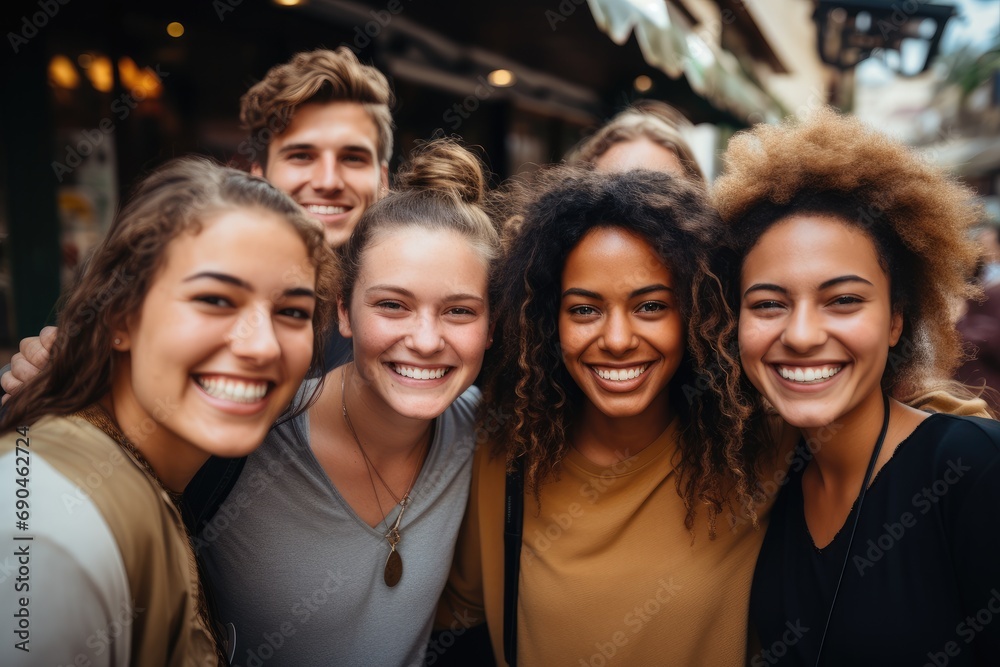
column 513, row 526
column 857, row 517
column 207, row 491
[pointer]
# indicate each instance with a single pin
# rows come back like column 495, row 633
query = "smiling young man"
column 321, row 130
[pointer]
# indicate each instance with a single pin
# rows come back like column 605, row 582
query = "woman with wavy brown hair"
column 852, row 257
column 336, row 541
column 187, row 335
column 621, row 410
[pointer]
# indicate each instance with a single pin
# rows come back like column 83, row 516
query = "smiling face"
column 620, row 328
column 327, row 160
column 816, row 322
column 419, row 319
column 221, row 343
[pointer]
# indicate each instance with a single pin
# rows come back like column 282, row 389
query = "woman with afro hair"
column 614, row 400
column 851, row 257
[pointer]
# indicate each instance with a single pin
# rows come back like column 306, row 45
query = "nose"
column 618, row 336
column 803, row 330
column 426, row 337
column 253, row 338
column 326, row 174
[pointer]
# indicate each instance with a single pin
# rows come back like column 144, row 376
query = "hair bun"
column 445, row 166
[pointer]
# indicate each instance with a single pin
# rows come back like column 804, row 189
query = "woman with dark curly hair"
column 614, row 397
column 853, row 254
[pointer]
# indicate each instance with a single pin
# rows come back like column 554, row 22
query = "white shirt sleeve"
column 64, row 593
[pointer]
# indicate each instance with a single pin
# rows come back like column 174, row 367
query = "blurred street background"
column 98, row 92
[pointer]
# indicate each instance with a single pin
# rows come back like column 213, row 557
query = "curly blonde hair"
column 916, row 216
column 318, row 76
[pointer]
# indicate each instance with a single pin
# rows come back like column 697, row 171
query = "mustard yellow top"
column 608, row 569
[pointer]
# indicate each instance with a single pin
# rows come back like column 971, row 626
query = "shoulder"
column 460, row 417
column 949, row 435
column 963, row 454
column 467, row 403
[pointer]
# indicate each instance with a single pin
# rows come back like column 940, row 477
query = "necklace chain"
column 392, row 535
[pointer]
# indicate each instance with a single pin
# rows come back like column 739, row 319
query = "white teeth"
column 236, row 391
column 420, row 373
column 620, row 374
column 809, row 374
column 326, row 210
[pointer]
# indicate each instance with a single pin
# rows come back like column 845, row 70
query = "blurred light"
column 62, row 73
column 175, row 29
column 100, row 74
column 84, row 60
column 699, row 50
column 863, row 21
column 289, row 3
column 643, row 83
column 128, row 71
column 927, row 28
column 913, row 55
column 142, row 83
column 838, row 15
column 501, row 78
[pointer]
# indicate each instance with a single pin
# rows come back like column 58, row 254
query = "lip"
column 414, row 382
column 620, row 386
column 813, row 387
column 328, row 219
column 233, row 407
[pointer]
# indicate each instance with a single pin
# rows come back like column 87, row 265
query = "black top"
column 922, row 586
column 337, row 352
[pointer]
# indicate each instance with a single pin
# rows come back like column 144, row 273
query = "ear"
column 120, row 340
column 256, row 170
column 489, row 339
column 384, row 180
column 343, row 319
column 895, row 328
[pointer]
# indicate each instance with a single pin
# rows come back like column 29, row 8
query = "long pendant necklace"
column 393, row 570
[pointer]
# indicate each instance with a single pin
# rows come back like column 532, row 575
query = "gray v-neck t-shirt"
column 300, row 575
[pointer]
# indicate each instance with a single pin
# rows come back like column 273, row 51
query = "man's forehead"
column 337, row 124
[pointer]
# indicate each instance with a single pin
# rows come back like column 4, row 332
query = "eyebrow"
column 407, row 293
column 352, row 148
column 244, row 285
column 576, row 291
column 768, row 287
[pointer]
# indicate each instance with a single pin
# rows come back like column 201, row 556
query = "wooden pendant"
column 393, row 569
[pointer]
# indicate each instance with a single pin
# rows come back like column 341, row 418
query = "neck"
column 174, row 460
column 844, row 448
column 383, row 432
column 606, row 440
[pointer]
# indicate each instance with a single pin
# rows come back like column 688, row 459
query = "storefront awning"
column 669, row 43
